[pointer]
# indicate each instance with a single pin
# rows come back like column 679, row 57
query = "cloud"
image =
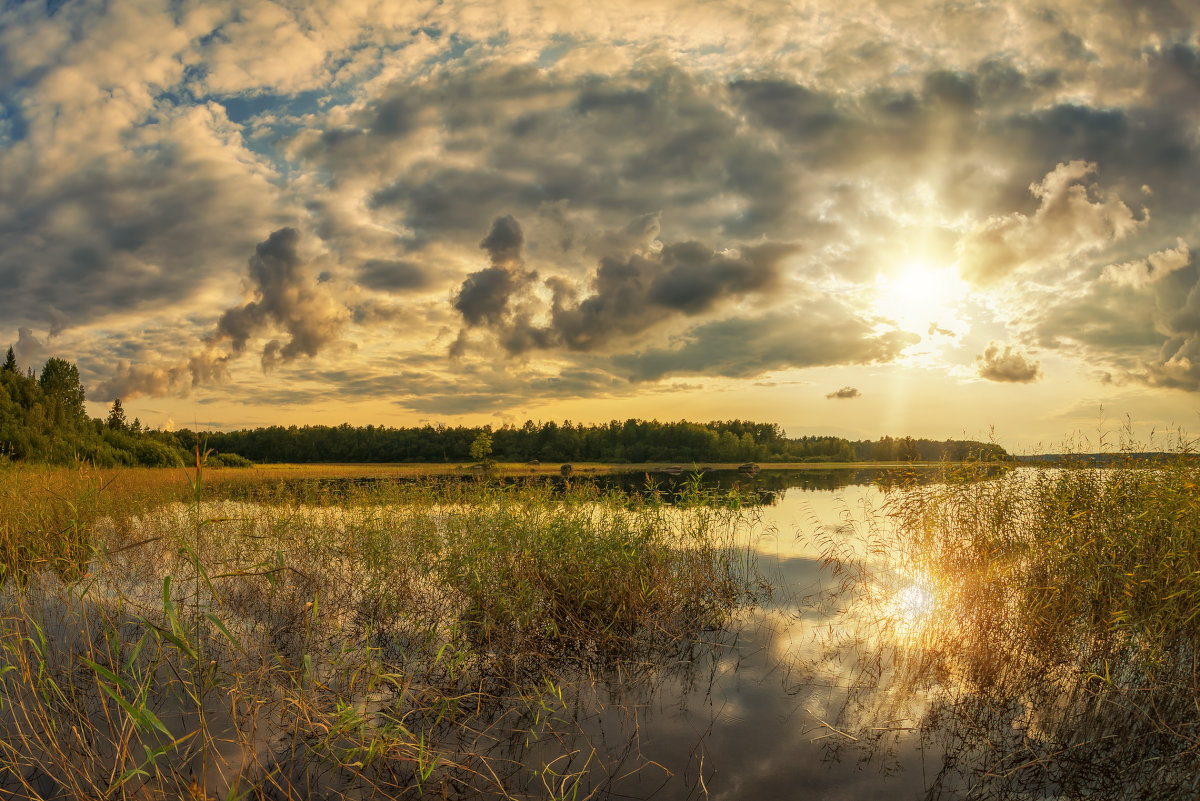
column 1006, row 365
column 134, row 380
column 286, row 297
column 1140, row 318
column 1142, row 272
column 504, row 242
column 937, row 330
column 484, row 295
column 628, row 294
column 1071, row 219
column 29, row 350
column 631, row 294
column 814, row 334
column 662, row 166
column 145, row 221
column 845, row 393
column 392, row 275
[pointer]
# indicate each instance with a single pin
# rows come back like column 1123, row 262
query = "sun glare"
column 909, row 609
column 923, row 299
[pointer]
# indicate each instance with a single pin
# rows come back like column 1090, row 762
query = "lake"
column 373, row 638
column 826, row 690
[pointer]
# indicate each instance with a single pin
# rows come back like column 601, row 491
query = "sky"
column 937, row 219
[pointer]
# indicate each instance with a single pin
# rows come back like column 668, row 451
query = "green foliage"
column 481, row 447
column 64, row 395
column 116, row 416
column 43, row 419
column 629, row 441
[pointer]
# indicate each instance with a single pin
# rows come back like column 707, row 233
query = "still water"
column 825, row 690
column 764, row 710
column 837, row 678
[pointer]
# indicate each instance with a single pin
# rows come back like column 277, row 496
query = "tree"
column 10, row 363
column 64, row 394
column 481, row 448
column 116, row 416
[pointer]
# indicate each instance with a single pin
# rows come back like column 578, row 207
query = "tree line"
column 42, row 418
column 615, row 441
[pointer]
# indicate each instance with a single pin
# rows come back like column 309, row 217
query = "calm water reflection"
column 824, row 689
column 821, row 694
column 758, row 712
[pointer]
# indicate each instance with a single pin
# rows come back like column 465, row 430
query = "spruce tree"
column 116, row 416
column 10, row 363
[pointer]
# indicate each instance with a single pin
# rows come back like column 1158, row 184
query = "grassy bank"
column 412, row 638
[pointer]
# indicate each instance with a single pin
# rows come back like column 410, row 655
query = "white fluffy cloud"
column 1073, row 218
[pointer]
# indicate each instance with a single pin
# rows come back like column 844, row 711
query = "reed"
column 162, row 639
column 1057, row 652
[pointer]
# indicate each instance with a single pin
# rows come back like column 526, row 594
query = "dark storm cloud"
column 505, row 241
column 652, row 139
column 956, row 91
column 1006, row 365
column 631, row 294
column 816, row 334
column 445, row 202
column 792, row 109
column 845, row 393
column 285, row 297
column 390, row 275
column 484, row 296
column 107, row 239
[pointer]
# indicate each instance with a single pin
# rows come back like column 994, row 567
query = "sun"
column 922, row 298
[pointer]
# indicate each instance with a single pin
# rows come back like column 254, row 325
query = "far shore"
column 351, row 469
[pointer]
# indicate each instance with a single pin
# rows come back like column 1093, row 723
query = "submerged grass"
column 157, row 642
column 1084, row 563
column 1059, row 652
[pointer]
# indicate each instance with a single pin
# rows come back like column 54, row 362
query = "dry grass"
column 158, row 642
column 1060, row 653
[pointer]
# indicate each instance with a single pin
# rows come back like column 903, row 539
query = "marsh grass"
column 1058, row 656
column 402, row 639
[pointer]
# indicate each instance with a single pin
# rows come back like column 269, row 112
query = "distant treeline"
column 42, row 418
column 616, row 441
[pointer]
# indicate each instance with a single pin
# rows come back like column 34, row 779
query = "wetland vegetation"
column 972, row 632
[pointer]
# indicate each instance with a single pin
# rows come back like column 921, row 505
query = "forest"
column 616, row 441
column 43, row 419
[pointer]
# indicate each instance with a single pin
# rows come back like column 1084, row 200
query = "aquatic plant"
column 1057, row 651
column 395, row 640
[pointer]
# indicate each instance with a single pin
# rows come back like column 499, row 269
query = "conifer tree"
column 10, row 363
column 116, row 416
